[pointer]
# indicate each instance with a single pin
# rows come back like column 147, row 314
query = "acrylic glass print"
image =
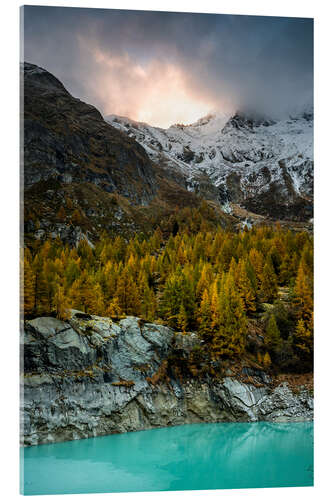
column 167, row 251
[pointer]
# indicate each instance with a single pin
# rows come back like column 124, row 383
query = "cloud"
column 157, row 92
column 166, row 67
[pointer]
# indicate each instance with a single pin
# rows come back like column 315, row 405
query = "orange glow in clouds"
column 168, row 101
column 156, row 93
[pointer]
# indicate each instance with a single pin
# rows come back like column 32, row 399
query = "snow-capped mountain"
column 260, row 164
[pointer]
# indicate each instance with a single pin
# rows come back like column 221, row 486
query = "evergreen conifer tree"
column 182, row 322
column 205, row 317
column 61, row 303
column 230, row 338
column 268, row 288
column 244, row 286
column 273, row 337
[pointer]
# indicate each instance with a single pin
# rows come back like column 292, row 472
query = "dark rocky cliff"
column 91, row 376
column 68, row 140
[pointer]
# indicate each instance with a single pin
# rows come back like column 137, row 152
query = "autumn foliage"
column 212, row 281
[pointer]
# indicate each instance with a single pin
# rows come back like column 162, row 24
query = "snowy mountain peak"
column 205, row 120
column 206, row 125
column 262, row 164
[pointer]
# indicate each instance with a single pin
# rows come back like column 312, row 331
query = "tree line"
column 213, row 282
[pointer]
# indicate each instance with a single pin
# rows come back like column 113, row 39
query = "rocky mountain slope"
column 67, row 139
column 82, row 176
column 262, row 165
column 90, row 376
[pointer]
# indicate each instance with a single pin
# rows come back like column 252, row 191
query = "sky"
column 164, row 68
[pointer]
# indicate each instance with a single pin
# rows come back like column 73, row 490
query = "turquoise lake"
column 188, row 457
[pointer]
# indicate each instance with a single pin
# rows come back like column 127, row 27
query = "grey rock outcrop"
column 91, row 376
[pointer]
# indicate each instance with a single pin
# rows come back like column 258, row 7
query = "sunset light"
column 157, row 93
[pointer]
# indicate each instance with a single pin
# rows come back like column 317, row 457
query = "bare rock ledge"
column 88, row 377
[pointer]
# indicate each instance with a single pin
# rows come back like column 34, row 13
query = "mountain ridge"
column 243, row 155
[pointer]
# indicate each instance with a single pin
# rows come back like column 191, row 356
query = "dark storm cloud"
column 110, row 57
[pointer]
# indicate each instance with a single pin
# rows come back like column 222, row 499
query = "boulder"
column 46, row 327
column 51, row 344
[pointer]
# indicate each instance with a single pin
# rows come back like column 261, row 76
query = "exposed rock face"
column 67, row 139
column 90, row 376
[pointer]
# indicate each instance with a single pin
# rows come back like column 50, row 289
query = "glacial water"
column 188, row 457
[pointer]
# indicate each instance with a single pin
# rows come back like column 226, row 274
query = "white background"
column 9, row 210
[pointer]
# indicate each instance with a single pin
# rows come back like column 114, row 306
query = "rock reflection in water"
column 202, row 456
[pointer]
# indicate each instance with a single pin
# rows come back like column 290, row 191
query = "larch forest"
column 194, row 276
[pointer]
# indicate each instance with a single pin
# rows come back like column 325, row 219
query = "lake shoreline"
column 112, row 382
column 115, row 433
column 219, row 456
